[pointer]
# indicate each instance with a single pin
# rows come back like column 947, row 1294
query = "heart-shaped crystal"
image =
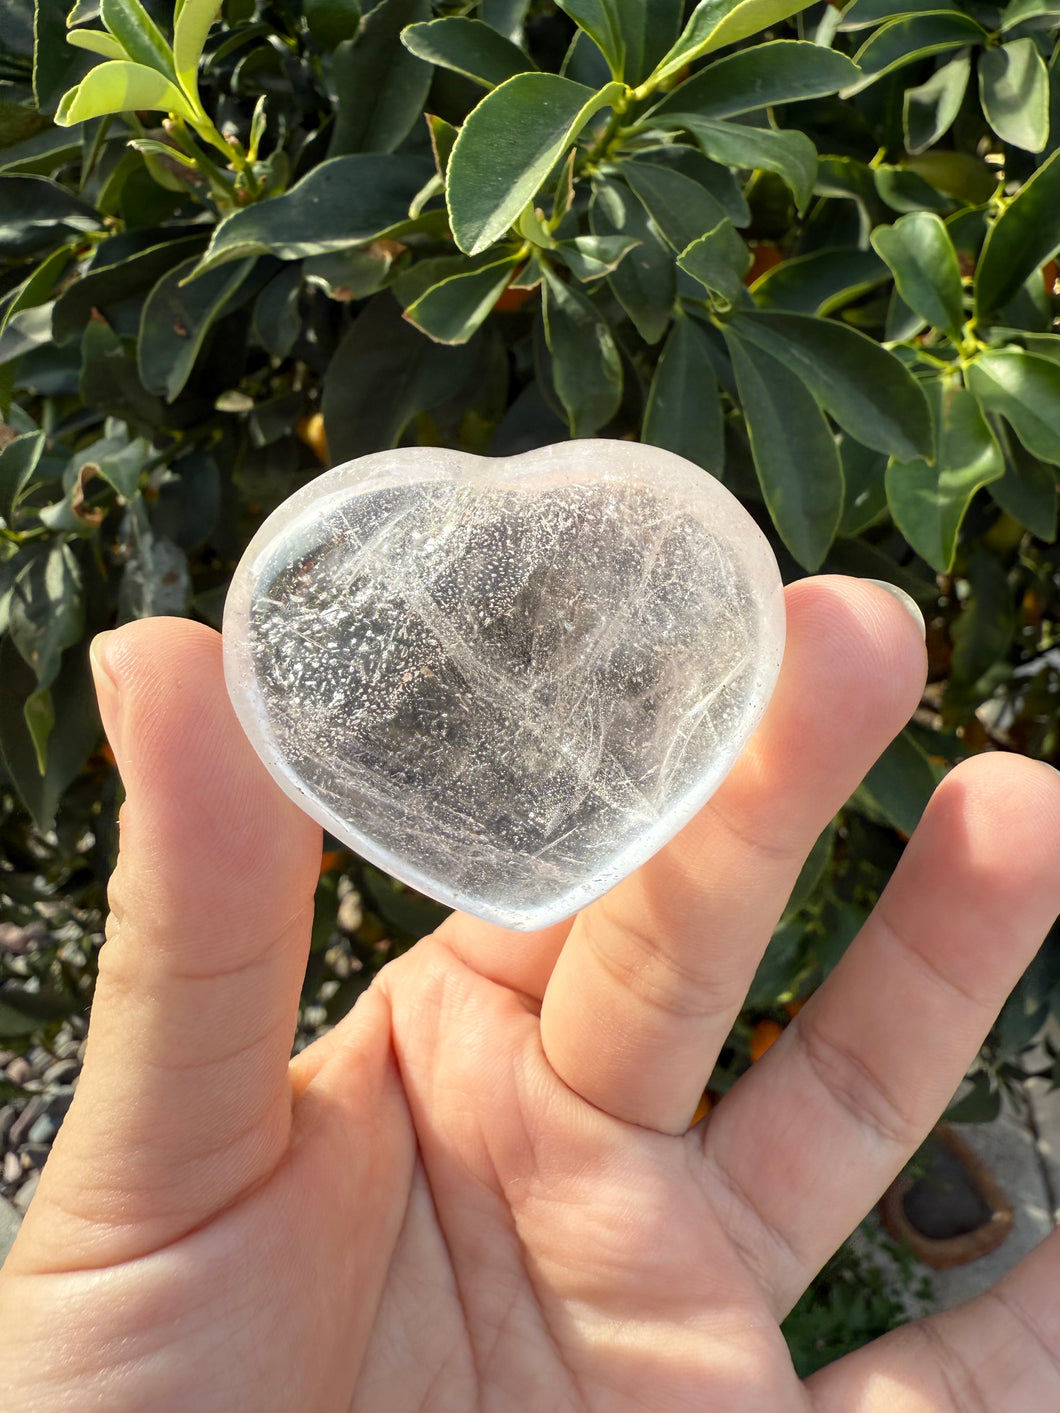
column 507, row 682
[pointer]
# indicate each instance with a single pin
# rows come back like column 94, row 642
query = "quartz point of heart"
column 509, row 681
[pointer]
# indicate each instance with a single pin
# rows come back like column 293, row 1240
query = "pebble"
column 43, row 1130
column 24, row 1196
column 8, row 1114
column 12, row 1168
column 61, row 1072
column 19, row 1130
column 19, row 1070
column 36, row 1154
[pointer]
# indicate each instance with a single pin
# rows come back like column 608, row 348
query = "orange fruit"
column 512, row 299
column 764, row 256
column 310, row 430
column 332, row 859
column 1050, row 274
column 793, row 1008
column 703, row 1108
column 765, row 1033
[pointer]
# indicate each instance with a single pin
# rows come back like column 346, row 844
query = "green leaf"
column 451, row 311
column 18, row 461
column 866, row 14
column 716, row 23
column 505, row 16
column 382, row 375
column 443, row 137
column 507, row 147
column 382, row 87
column 176, row 320
column 820, row 282
column 57, row 65
column 719, row 261
column 38, row 286
column 716, row 180
column 910, row 38
column 592, row 257
column 331, row 21
column 193, row 20
column 1028, row 489
column 47, row 612
column 96, row 42
column 75, row 733
column 643, row 284
column 1018, row 12
column 114, row 286
column 597, row 19
column 981, row 1105
column 864, row 491
column 1024, row 389
column 36, row 213
column 110, row 381
column 901, row 783
column 982, row 634
column 344, row 201
column 647, row 31
column 921, row 255
column 1021, row 240
column 119, row 87
column 794, row 451
column 782, row 71
column 683, row 412
column 867, row 390
column 138, row 35
column 39, row 714
column 929, row 502
column 681, row 208
column 790, row 154
column 930, row 109
column 1014, row 89
column 468, row 47
column 586, row 368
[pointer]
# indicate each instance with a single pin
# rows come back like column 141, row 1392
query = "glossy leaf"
column 110, row 286
column 928, row 503
column 331, row 21
column 1021, row 240
column 592, row 257
column 96, row 42
column 821, row 281
column 1024, row 388
column 866, row 14
column 597, row 19
column 47, row 611
column 864, row 490
column 468, row 47
column 929, row 110
column 924, row 263
column 18, row 461
column 683, row 412
column 867, row 390
column 36, row 213
column 488, row 182
column 719, row 261
column 586, row 368
column 782, row 71
column 790, row 154
column 344, row 201
column 716, row 23
column 382, row 375
column 910, row 38
column 176, row 320
column 505, row 16
column 193, row 20
column 1018, row 12
column 38, row 285
column 682, row 209
column 121, row 87
column 381, row 86
column 138, row 35
column 647, row 31
column 1014, row 90
column 644, row 282
column 451, row 311
column 1028, row 489
column 901, row 783
column 794, row 451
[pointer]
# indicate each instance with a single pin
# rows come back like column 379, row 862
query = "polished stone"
column 507, row 682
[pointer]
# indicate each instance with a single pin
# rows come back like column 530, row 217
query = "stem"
column 610, row 132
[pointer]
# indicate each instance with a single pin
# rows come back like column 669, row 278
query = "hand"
column 479, row 1190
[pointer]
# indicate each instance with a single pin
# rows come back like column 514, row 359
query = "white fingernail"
column 909, row 604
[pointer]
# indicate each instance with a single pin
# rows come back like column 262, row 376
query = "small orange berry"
column 310, row 430
column 331, row 860
column 703, row 1108
column 765, row 1033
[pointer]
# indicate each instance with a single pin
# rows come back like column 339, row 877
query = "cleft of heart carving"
column 509, row 681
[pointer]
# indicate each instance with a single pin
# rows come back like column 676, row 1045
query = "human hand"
column 479, row 1190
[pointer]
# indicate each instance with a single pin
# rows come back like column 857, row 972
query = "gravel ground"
column 28, row 1124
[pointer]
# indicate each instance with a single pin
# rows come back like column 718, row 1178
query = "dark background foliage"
column 809, row 249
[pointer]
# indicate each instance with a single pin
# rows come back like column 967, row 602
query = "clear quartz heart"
column 507, row 682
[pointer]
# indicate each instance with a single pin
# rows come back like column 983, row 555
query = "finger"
column 184, row 1100
column 850, row 1090
column 999, row 1351
column 652, row 976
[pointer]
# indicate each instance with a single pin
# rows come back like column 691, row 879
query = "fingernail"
column 909, row 604
column 107, row 693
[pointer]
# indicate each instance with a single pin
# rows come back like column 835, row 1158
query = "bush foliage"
column 809, row 248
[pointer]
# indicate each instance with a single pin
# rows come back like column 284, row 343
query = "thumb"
column 184, row 1102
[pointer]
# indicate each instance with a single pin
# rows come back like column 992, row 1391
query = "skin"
column 480, row 1191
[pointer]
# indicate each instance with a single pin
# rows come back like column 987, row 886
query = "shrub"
column 809, row 249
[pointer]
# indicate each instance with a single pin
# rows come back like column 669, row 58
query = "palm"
column 480, row 1190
